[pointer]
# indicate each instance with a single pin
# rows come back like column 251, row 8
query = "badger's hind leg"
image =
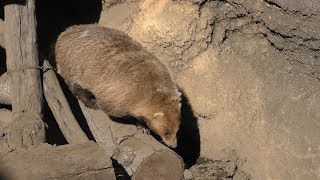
column 86, row 96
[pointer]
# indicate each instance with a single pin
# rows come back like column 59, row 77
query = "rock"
column 174, row 31
column 187, row 174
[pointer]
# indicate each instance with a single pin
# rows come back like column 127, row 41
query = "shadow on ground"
column 188, row 135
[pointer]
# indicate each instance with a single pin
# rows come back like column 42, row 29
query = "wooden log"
column 133, row 149
column 77, row 161
column 60, row 107
column 22, row 58
column 101, row 129
column 25, row 84
column 2, row 34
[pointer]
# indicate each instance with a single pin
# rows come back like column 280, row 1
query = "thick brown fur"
column 125, row 79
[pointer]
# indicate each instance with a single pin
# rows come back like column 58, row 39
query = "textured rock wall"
column 251, row 72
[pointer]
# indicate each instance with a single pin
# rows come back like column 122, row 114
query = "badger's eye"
column 167, row 133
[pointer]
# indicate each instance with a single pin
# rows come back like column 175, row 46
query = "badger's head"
column 165, row 120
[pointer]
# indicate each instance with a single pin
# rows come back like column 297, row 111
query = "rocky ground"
column 250, row 70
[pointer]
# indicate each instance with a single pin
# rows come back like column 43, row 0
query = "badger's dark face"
column 166, row 123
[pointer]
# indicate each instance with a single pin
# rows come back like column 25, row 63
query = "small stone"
column 187, row 174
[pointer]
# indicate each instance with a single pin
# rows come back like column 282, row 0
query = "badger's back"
column 122, row 76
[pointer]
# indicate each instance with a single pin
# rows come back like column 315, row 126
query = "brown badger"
column 124, row 78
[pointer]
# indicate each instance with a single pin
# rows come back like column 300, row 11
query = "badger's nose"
column 171, row 144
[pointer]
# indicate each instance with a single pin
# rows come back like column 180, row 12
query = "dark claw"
column 144, row 129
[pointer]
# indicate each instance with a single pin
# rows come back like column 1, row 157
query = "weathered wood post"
column 2, row 32
column 27, row 129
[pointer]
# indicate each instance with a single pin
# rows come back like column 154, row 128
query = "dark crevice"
column 271, row 3
column 289, row 39
column 271, row 43
column 119, row 171
column 201, row 4
column 204, row 116
column 274, row 4
column 234, row 4
column 277, row 33
column 228, row 33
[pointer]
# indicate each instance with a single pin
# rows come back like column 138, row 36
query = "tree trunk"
column 25, row 81
column 2, row 33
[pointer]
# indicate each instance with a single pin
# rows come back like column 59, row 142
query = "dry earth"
column 250, row 70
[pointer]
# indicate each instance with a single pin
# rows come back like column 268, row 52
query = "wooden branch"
column 135, row 151
column 25, row 83
column 100, row 129
column 2, row 34
column 78, row 161
column 5, row 94
column 60, row 107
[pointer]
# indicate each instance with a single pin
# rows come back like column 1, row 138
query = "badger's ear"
column 158, row 115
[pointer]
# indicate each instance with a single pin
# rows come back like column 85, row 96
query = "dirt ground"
column 249, row 72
